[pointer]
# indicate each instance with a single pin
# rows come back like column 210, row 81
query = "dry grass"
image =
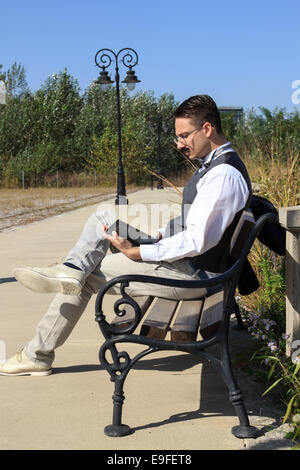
column 278, row 180
column 21, row 206
column 36, row 197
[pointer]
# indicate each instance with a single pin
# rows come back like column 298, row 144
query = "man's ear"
column 208, row 129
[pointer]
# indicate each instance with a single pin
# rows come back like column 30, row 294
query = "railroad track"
column 11, row 220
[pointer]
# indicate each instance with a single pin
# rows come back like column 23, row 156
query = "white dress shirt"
column 221, row 193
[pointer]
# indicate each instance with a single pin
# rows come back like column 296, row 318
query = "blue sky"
column 241, row 53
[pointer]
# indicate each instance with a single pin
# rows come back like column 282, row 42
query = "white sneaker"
column 21, row 365
column 58, row 278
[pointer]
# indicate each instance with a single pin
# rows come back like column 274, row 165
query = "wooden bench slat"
column 212, row 314
column 157, row 323
column 144, row 302
column 185, row 327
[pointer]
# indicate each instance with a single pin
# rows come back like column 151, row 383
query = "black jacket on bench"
column 271, row 235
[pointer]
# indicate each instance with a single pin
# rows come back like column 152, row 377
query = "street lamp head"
column 131, row 79
column 104, row 80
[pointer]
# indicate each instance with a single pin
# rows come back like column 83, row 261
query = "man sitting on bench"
column 194, row 245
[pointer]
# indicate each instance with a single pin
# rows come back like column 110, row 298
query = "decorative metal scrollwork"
column 130, row 59
column 109, row 329
column 120, row 360
column 104, row 57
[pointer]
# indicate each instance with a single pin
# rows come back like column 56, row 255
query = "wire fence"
column 59, row 179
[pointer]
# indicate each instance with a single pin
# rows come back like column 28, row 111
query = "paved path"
column 69, row 409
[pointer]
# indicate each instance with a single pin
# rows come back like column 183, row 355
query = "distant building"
column 236, row 111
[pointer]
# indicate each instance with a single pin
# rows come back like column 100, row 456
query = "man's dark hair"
column 200, row 108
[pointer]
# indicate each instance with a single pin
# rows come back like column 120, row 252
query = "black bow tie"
column 203, row 165
column 216, row 153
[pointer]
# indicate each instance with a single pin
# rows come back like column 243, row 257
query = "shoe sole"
column 32, row 373
column 40, row 283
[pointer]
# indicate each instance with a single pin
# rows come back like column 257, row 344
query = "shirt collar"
column 215, row 154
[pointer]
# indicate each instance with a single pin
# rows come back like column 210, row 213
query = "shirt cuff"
column 149, row 252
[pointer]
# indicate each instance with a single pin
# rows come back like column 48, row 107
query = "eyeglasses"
column 184, row 139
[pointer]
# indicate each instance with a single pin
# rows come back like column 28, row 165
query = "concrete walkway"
column 172, row 401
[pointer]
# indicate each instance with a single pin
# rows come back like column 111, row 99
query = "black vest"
column 214, row 260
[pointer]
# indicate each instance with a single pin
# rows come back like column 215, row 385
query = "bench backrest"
column 212, row 313
column 241, row 233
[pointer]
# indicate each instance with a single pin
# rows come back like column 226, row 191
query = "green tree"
column 2, row 75
column 153, row 120
column 271, row 135
column 97, row 112
column 135, row 152
column 38, row 130
column 19, row 121
column 141, row 115
column 60, row 105
column 15, row 80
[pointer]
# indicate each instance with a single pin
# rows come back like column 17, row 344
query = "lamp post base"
column 121, row 200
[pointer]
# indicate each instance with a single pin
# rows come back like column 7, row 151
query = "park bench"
column 191, row 326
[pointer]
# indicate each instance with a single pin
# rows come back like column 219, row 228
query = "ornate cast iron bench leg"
column 118, row 370
column 243, row 430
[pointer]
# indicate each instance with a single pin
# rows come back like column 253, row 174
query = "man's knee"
column 93, row 283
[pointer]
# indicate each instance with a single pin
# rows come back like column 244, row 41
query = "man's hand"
column 123, row 245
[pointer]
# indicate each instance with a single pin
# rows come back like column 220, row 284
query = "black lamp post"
column 159, row 181
column 158, row 125
column 103, row 60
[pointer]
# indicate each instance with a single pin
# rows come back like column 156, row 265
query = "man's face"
column 191, row 138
